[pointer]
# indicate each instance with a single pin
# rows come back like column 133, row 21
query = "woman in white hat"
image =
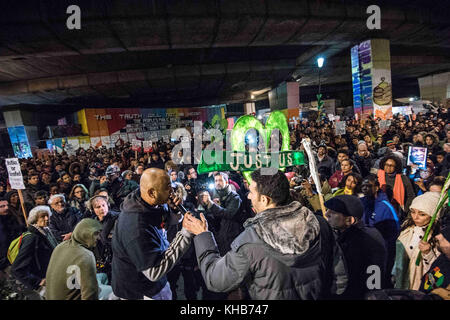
column 409, row 243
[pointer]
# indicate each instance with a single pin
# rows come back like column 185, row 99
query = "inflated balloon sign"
column 246, row 160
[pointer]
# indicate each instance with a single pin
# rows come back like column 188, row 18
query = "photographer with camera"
column 226, row 208
column 191, row 184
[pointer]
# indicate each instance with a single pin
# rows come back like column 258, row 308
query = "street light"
column 320, row 62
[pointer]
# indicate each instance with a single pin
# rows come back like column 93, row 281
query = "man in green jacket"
column 71, row 273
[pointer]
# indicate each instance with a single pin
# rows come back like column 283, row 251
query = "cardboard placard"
column 136, row 145
column 147, row 146
column 340, row 128
column 14, row 173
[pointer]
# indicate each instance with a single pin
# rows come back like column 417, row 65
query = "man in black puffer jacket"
column 284, row 253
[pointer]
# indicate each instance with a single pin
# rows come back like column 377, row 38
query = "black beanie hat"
column 445, row 231
column 347, row 205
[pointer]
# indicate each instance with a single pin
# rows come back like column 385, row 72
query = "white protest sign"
column 135, row 145
column 340, row 128
column 14, row 173
column 147, row 146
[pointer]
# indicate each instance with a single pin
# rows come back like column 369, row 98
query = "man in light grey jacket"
column 285, row 251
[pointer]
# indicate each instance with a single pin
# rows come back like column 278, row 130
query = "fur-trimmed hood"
column 290, row 230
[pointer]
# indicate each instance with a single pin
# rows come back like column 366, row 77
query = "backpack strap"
column 394, row 213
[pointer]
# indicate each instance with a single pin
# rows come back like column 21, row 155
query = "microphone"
column 180, row 207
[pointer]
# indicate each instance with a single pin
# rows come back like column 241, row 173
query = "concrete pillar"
column 435, row 88
column 285, row 96
column 249, row 108
column 371, row 78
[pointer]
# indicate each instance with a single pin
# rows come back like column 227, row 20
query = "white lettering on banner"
column 130, row 116
column 14, row 173
column 103, row 117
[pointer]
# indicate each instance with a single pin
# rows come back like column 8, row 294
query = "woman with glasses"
column 396, row 185
column 78, row 197
column 64, row 218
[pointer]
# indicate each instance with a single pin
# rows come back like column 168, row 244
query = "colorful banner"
column 85, row 142
column 72, row 145
column 19, row 142
column 96, row 142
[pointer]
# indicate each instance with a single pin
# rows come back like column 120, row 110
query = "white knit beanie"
column 426, row 202
column 33, row 215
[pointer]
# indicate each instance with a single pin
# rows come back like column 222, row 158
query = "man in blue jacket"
column 141, row 253
column 379, row 213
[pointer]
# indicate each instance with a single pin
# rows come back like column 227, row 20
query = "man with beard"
column 225, row 209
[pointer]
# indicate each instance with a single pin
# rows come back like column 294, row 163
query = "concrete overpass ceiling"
column 173, row 53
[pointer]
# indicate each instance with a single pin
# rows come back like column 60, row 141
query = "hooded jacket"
column 71, row 273
column 141, row 258
column 284, row 253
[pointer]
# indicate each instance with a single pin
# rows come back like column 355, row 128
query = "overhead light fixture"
column 320, row 62
column 411, row 99
column 252, row 96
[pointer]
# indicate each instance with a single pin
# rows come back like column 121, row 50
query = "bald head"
column 155, row 186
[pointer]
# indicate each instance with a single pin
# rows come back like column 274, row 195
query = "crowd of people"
column 117, row 218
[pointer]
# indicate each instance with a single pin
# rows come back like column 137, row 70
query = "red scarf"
column 399, row 189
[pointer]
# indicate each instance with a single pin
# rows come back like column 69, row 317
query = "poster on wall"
column 19, row 142
column 382, row 94
column 106, row 141
column 124, row 137
column 96, row 142
column 131, row 137
column 72, row 145
column 85, row 142
column 58, row 143
column 50, row 145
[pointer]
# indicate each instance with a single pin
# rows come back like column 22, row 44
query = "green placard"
column 246, row 162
